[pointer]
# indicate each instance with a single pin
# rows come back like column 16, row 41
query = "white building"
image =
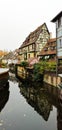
column 58, row 20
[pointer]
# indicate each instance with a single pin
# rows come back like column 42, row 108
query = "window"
column 28, row 55
column 32, row 46
column 52, row 47
column 59, row 22
column 28, row 48
column 60, row 42
column 25, row 56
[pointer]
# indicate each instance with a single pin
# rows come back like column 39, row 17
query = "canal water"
column 24, row 107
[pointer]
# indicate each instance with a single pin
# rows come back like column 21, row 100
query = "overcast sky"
column 20, row 17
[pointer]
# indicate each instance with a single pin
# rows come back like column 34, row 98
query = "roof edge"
column 56, row 17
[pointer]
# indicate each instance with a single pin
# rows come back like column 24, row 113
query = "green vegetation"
column 38, row 70
column 51, row 66
column 41, row 67
column 3, row 65
column 24, row 64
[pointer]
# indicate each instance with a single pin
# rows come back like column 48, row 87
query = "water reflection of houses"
column 37, row 98
column 4, row 96
column 42, row 99
column 59, row 118
column 12, row 77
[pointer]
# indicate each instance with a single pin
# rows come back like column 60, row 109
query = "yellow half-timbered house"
column 34, row 43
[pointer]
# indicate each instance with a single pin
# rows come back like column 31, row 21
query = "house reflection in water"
column 4, row 96
column 59, row 117
column 37, row 98
column 42, row 99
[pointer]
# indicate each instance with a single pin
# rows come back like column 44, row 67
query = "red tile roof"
column 52, row 40
column 48, row 51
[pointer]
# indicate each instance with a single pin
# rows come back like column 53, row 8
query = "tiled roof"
column 48, row 51
column 52, row 40
column 32, row 37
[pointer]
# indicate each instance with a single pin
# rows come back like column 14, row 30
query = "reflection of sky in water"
column 19, row 115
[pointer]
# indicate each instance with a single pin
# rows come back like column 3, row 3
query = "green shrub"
column 52, row 66
column 38, row 71
column 24, row 64
column 40, row 67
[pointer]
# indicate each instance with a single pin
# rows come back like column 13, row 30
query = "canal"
column 24, row 107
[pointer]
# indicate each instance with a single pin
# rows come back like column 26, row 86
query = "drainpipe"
column 56, row 58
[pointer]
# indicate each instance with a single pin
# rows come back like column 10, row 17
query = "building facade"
column 34, row 43
column 58, row 21
column 49, row 51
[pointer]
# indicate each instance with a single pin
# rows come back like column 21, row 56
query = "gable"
column 44, row 27
column 33, row 36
